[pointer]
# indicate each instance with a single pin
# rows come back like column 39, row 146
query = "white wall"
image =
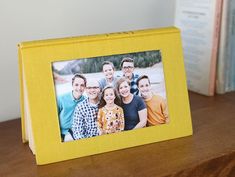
column 32, row 20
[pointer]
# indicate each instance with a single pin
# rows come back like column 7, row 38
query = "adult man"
column 157, row 112
column 84, row 123
column 127, row 65
column 67, row 103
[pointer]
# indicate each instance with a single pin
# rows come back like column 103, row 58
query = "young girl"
column 110, row 115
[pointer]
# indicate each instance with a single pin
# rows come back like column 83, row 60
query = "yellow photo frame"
column 40, row 123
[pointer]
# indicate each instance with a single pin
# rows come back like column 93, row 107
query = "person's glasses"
column 127, row 67
column 92, row 87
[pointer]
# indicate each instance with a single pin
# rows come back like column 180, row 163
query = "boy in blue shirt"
column 66, row 103
column 108, row 71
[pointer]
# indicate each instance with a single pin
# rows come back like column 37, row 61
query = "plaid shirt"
column 85, row 120
column 134, row 88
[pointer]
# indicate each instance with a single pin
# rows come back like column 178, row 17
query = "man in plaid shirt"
column 85, row 115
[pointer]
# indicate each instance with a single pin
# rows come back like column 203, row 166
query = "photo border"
column 119, row 58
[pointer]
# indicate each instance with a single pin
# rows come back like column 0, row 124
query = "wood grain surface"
column 210, row 152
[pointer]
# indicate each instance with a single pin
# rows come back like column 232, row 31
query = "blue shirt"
column 103, row 82
column 131, row 110
column 84, row 123
column 66, row 104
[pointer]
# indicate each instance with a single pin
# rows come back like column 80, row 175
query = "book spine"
column 23, row 128
column 99, row 37
column 231, row 33
column 215, row 45
column 221, row 73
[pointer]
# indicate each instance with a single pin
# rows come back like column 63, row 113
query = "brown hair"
column 107, row 63
column 142, row 77
column 126, row 59
column 120, row 81
column 79, row 76
column 117, row 99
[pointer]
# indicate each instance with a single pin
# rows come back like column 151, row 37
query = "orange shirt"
column 157, row 110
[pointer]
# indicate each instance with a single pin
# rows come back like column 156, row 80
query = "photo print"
column 110, row 94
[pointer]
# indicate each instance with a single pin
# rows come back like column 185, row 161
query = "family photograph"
column 110, row 94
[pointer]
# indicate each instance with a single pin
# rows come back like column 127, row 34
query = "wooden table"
column 209, row 152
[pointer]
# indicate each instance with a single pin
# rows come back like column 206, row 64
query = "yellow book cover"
column 93, row 94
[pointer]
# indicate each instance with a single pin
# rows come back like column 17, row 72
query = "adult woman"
column 135, row 112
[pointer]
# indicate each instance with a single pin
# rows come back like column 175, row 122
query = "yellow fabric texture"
column 39, row 114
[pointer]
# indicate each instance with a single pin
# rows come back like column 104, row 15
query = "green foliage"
column 92, row 65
